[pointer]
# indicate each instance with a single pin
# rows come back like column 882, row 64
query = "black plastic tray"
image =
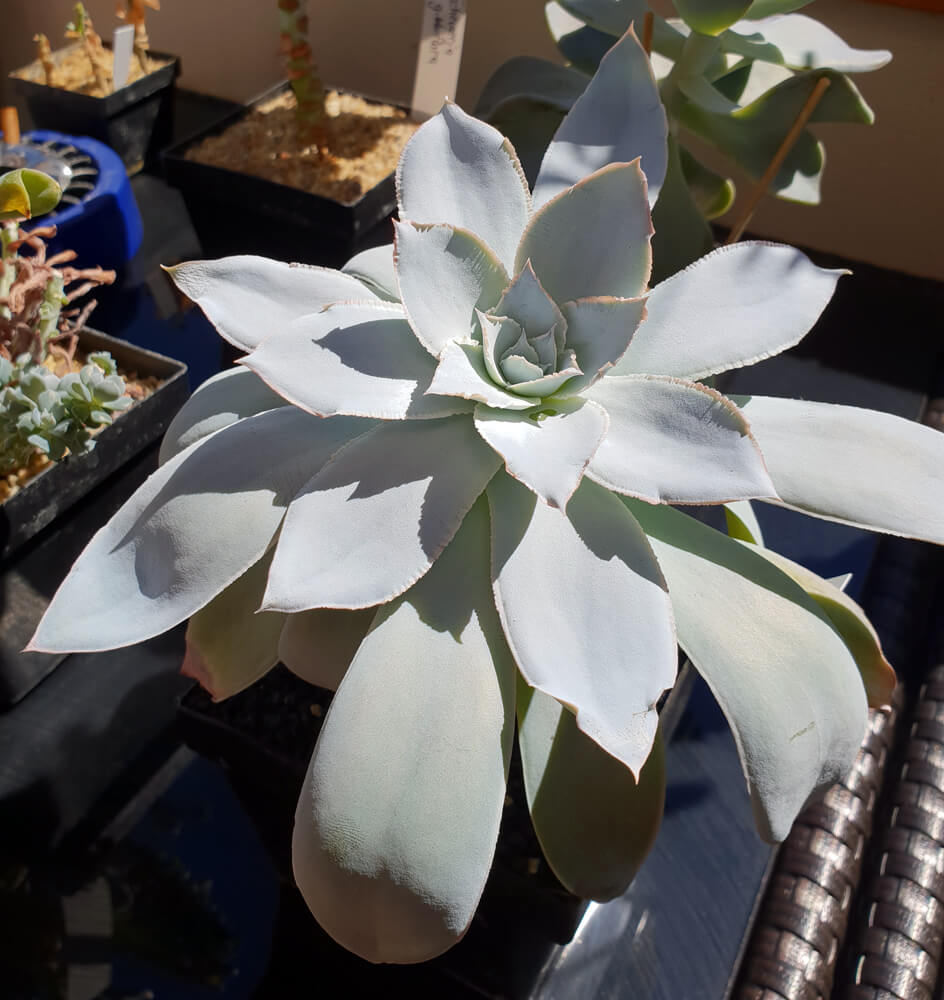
column 136, row 120
column 61, row 484
column 236, row 213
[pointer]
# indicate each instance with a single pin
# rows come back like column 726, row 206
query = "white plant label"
column 121, row 46
column 437, row 66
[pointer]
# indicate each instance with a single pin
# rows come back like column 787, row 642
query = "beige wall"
column 882, row 192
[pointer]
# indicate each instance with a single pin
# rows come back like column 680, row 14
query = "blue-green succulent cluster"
column 41, row 412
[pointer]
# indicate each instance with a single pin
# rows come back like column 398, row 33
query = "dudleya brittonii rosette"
column 465, row 514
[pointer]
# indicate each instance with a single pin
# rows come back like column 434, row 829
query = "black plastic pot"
column 236, row 213
column 38, row 543
column 136, row 120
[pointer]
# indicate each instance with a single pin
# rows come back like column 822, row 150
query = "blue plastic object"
column 105, row 227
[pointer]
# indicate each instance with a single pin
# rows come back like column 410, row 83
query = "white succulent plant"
column 445, row 475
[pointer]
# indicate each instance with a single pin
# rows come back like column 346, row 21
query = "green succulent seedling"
column 25, row 193
column 39, row 411
column 732, row 75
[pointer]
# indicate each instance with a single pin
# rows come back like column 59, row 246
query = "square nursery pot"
column 237, row 213
column 33, row 561
column 136, row 120
column 264, row 737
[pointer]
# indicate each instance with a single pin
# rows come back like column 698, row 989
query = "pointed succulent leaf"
column 612, row 16
column 618, row 119
column 462, row 374
column 604, row 223
column 376, row 517
column 398, row 816
column 229, row 645
column 850, row 621
column 598, row 842
column 767, row 8
column 671, row 441
column 784, row 679
column 856, row 466
column 548, row 449
column 195, row 525
column 610, row 669
column 705, row 95
column 581, row 44
column 598, row 331
column 374, row 268
column 25, row 193
column 250, row 298
column 444, row 275
column 459, row 171
column 527, row 78
column 751, row 136
column 801, row 42
column 748, row 301
column 741, row 522
column 681, row 233
column 527, row 303
column 711, row 17
column 713, row 193
column 358, row 358
column 217, row 403
column 318, row 645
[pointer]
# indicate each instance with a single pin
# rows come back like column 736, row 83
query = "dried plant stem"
column 647, row 24
column 83, row 29
column 133, row 11
column 747, row 213
column 302, row 74
column 44, row 54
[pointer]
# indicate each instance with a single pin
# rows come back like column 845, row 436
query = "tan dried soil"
column 74, row 72
column 363, row 145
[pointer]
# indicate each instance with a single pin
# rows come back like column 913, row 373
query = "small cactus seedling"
column 81, row 28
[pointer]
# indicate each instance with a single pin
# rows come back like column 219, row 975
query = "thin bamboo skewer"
column 647, row 23
column 802, row 118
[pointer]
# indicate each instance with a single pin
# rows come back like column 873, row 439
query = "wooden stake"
column 647, row 23
column 10, row 125
column 770, row 173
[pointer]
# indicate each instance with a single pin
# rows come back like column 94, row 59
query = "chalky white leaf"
column 671, row 441
column 598, row 842
column 856, row 466
column 195, row 525
column 599, row 331
column 356, row 358
column 623, row 91
column 400, row 809
column 462, row 172
column 444, row 275
column 850, row 622
column 783, row 677
column 374, row 267
column 462, row 374
column 550, row 452
column 609, row 668
column 250, row 298
column 229, row 645
column 603, row 222
column 374, row 519
column 318, row 645
column 221, row 400
column 748, row 301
